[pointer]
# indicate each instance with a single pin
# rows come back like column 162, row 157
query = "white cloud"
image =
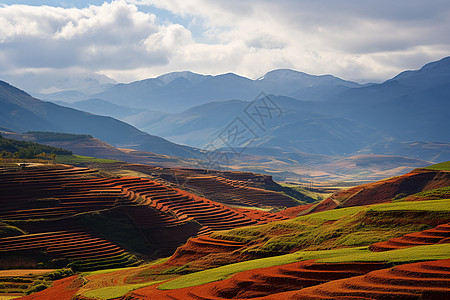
column 348, row 38
column 353, row 39
column 168, row 39
column 110, row 35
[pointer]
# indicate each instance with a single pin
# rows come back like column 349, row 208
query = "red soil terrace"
column 227, row 187
column 439, row 234
column 262, row 282
column 62, row 244
column 202, row 246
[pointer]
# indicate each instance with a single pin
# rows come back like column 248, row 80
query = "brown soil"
column 292, row 212
column 63, row 289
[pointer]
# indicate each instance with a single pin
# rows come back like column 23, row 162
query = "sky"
column 127, row 40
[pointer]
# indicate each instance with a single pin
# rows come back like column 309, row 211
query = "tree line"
column 10, row 148
column 46, row 136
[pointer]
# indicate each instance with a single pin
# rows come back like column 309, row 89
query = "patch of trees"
column 10, row 148
column 44, row 136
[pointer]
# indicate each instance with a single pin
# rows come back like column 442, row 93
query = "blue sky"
column 136, row 39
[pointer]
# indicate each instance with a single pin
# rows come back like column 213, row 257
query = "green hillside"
column 444, row 166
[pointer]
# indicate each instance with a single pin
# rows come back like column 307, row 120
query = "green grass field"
column 357, row 254
column 345, row 227
column 440, row 193
column 114, row 292
column 429, row 205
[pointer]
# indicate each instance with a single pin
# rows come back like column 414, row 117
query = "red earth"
column 62, row 289
column 385, row 190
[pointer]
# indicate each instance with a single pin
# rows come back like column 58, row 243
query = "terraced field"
column 230, row 188
column 55, row 196
column 300, row 275
column 393, row 250
column 84, row 250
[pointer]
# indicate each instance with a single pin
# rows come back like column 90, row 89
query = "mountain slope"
column 387, row 190
column 21, row 112
column 101, row 107
column 411, row 106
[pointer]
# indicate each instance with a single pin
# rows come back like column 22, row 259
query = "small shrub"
column 60, row 274
column 400, row 196
column 37, row 288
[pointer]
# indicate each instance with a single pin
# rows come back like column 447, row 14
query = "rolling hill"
column 381, row 251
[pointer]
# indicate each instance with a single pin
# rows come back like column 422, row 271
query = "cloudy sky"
column 131, row 40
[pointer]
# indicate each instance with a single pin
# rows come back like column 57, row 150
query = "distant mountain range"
column 411, row 107
column 177, row 91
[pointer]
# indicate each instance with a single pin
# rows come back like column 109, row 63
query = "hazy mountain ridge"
column 177, row 91
column 295, row 129
column 101, row 107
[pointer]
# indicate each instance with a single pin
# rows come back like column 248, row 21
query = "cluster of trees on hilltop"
column 45, row 136
column 10, row 148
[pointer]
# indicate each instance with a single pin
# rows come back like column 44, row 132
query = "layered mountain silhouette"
column 320, row 115
column 410, row 108
column 295, row 129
